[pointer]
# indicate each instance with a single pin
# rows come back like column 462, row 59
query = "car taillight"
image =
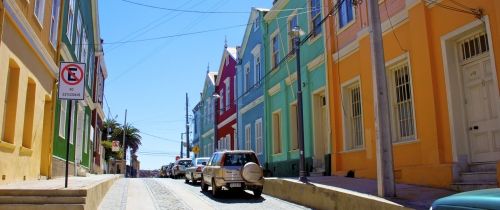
column 222, row 160
column 198, row 169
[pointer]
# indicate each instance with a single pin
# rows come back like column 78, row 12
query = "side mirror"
column 204, row 163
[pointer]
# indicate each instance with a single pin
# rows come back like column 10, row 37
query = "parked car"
column 168, row 170
column 193, row 173
column 163, row 171
column 179, row 167
column 236, row 169
column 477, row 199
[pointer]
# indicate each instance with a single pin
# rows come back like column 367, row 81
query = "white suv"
column 236, row 169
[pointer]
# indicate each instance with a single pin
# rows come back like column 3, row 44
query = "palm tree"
column 132, row 138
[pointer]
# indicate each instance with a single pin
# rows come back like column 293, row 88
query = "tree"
column 132, row 136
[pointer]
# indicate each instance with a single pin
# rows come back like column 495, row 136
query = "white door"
column 481, row 103
column 320, row 139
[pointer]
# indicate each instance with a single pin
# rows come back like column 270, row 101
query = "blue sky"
column 150, row 79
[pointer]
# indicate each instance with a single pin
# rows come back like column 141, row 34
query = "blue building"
column 250, row 75
column 206, row 113
column 196, row 125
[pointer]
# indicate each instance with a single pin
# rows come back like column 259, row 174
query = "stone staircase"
column 478, row 176
column 42, row 199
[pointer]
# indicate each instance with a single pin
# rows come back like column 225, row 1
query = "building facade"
column 250, row 86
column 281, row 89
column 28, row 73
column 225, row 107
column 207, row 113
column 78, row 44
column 442, row 80
column 196, row 125
column 98, row 117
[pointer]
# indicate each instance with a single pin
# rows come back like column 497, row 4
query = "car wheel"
column 215, row 190
column 257, row 192
column 204, row 187
column 186, row 180
column 192, row 179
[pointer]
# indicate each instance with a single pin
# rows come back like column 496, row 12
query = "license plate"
column 235, row 185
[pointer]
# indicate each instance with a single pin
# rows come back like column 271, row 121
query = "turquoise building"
column 206, row 116
column 280, row 96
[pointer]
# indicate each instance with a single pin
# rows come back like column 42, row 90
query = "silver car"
column 193, row 173
column 236, row 169
column 179, row 167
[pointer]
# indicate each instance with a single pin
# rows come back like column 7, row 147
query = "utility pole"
column 182, row 149
column 187, row 127
column 385, row 165
column 123, row 143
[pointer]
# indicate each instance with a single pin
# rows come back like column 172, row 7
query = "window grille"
column 473, row 46
column 402, row 100
column 354, row 117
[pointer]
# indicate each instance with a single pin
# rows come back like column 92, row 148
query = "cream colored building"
column 28, row 71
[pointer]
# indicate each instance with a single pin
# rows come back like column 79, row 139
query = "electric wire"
column 392, row 27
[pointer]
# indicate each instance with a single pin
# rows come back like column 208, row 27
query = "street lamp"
column 216, row 114
column 295, row 33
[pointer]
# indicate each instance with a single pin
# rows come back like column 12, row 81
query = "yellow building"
column 28, row 71
column 443, row 89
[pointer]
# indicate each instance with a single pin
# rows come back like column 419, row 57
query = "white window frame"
column 258, row 137
column 78, row 35
column 221, row 102
column 257, row 69
column 84, row 48
column 276, row 144
column 227, row 83
column 39, row 11
column 349, row 124
column 90, row 65
column 256, row 22
column 62, row 118
column 248, row 136
column 228, row 141
column 246, row 77
column 272, row 54
column 340, row 29
column 391, row 67
column 311, row 18
column 71, row 20
column 289, row 29
column 54, row 23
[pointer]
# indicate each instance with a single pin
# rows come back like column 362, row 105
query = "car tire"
column 204, row 187
column 186, row 180
column 257, row 192
column 192, row 179
column 215, row 190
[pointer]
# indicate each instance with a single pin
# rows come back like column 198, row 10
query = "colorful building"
column 207, row 112
column 196, row 125
column 281, row 88
column 79, row 43
column 98, row 117
column 250, row 86
column 28, row 73
column 443, row 90
column 225, row 107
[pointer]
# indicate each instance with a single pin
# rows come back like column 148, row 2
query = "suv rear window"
column 184, row 162
column 239, row 159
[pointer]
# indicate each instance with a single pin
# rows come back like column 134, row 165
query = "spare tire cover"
column 251, row 172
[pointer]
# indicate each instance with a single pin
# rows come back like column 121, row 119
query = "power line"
column 158, row 137
column 183, row 10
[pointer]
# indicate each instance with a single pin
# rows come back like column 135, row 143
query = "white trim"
column 291, row 78
column 206, row 134
column 344, row 87
column 259, row 149
column 251, row 105
column 275, row 89
column 227, row 120
column 346, row 51
column 316, row 62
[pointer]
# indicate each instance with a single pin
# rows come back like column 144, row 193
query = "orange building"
column 443, row 90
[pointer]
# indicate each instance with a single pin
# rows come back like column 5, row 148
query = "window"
column 346, row 13
column 293, row 21
column 257, row 69
column 246, row 81
column 72, row 123
column 39, row 10
column 228, row 93
column 91, row 68
column 316, row 16
column 275, row 51
column 62, row 118
column 10, row 107
column 79, row 129
column 402, row 102
column 29, row 114
column 353, row 119
column 228, row 141
column 256, row 23
column 78, row 34
column 54, row 22
column 248, row 136
column 258, row 137
column 84, row 54
column 71, row 18
column 276, row 133
column 221, row 102
column 293, row 127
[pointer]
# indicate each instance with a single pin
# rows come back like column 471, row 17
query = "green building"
column 79, row 35
column 282, row 152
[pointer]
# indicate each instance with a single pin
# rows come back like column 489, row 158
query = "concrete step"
column 483, row 166
column 42, row 206
column 41, row 200
column 469, row 186
column 44, row 192
column 478, row 176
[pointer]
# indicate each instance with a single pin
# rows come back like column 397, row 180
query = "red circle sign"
column 70, row 73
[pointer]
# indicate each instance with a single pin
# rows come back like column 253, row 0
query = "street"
column 155, row 193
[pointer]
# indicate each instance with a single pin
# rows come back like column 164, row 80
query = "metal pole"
column 187, row 127
column 385, row 167
column 68, row 133
column 300, row 119
column 123, row 143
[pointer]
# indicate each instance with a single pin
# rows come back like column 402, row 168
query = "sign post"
column 71, row 87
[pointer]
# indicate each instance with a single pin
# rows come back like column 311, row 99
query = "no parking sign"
column 72, row 81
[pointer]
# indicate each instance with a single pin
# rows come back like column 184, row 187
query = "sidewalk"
column 330, row 191
column 82, row 193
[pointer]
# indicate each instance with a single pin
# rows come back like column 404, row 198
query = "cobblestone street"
column 149, row 193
